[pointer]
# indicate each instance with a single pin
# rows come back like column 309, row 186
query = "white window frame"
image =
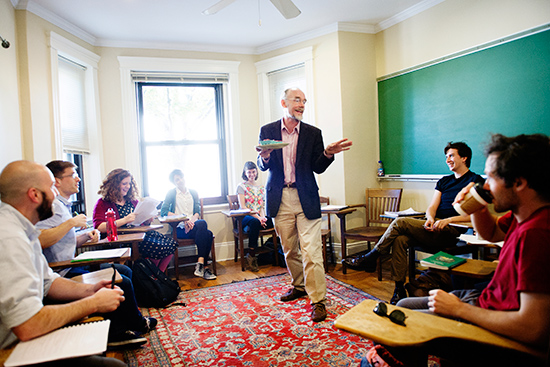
column 92, row 162
column 130, row 64
column 264, row 67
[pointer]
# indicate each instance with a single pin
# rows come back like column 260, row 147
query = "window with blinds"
column 72, row 106
column 181, row 126
column 279, row 81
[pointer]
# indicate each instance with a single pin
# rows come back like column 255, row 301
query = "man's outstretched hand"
column 338, row 147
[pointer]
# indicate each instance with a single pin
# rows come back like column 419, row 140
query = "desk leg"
column 176, row 254
column 342, row 218
column 241, row 242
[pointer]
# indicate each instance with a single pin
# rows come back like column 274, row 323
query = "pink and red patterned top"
column 254, row 196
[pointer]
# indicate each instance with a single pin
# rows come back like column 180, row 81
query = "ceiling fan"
column 285, row 7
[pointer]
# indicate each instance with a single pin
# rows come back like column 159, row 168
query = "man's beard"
column 45, row 209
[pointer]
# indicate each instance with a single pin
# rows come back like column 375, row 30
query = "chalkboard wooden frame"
column 502, row 87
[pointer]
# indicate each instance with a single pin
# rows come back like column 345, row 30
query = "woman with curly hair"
column 119, row 192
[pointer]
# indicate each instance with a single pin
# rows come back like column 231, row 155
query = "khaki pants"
column 408, row 232
column 301, row 241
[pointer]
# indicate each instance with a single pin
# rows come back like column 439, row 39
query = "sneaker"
column 398, row 294
column 199, row 270
column 127, row 339
column 150, row 324
column 319, row 312
column 207, row 274
column 252, row 262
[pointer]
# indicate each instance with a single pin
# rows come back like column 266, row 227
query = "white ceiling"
column 179, row 24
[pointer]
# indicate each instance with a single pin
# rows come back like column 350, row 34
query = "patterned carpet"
column 245, row 324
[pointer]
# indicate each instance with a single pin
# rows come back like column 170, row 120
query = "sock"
column 164, row 263
column 155, row 261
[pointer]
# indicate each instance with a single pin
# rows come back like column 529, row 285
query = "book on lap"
column 68, row 342
column 442, row 260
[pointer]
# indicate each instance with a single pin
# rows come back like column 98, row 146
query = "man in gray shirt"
column 27, row 191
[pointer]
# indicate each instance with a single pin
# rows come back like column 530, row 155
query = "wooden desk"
column 131, row 239
column 472, row 268
column 139, row 229
column 173, row 221
column 420, row 329
column 341, row 214
column 239, row 216
column 95, row 276
column 93, row 263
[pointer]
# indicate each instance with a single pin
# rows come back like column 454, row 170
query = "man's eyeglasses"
column 298, row 100
column 396, row 316
column 73, row 175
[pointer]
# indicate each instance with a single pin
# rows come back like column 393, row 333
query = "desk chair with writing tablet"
column 184, row 242
column 233, row 201
column 377, row 201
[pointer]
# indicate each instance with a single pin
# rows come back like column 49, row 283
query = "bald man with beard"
column 27, row 192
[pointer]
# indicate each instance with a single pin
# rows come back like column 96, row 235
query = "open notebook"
column 72, row 341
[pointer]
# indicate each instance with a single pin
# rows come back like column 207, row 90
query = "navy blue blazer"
column 310, row 159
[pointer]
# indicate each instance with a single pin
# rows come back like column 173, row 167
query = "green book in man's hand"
column 442, row 260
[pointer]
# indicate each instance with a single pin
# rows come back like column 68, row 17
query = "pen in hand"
column 114, row 276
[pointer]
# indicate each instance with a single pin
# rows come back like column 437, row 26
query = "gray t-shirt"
column 25, row 277
column 65, row 248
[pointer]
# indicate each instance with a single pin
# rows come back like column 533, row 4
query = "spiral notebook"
column 72, row 341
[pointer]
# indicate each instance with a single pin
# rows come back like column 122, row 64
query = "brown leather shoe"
column 319, row 312
column 292, row 294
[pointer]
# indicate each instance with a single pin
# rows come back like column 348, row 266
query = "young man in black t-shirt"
column 433, row 232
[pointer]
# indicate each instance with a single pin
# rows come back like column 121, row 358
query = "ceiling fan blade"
column 286, row 8
column 217, row 7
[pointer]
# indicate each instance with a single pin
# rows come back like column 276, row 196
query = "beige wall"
column 345, row 67
column 11, row 146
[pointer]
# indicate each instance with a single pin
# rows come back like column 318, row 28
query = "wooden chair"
column 191, row 242
column 233, row 201
column 377, row 201
column 326, row 236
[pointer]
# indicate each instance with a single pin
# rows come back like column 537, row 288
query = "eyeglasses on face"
column 396, row 316
column 73, row 175
column 298, row 100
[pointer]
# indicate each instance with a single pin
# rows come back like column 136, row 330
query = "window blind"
column 280, row 80
column 168, row 77
column 72, row 106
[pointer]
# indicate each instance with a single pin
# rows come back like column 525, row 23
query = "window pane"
column 199, row 163
column 179, row 113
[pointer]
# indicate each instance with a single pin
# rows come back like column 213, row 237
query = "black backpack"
column 151, row 286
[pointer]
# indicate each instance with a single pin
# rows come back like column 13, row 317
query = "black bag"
column 428, row 280
column 151, row 286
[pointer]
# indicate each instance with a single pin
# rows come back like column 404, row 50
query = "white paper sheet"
column 146, row 209
column 68, row 342
column 101, row 254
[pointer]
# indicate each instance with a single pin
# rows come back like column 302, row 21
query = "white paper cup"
column 472, row 201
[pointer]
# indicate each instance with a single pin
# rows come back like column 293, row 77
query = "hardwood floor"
column 230, row 271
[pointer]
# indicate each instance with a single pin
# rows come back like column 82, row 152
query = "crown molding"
column 406, row 14
column 33, row 7
column 175, row 46
column 56, row 20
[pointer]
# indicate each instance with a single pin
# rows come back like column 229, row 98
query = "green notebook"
column 442, row 260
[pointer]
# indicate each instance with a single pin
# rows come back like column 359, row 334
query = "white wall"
column 11, row 147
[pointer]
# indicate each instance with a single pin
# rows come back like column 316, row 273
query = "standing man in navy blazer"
column 293, row 197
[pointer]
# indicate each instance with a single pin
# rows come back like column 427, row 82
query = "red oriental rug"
column 245, row 324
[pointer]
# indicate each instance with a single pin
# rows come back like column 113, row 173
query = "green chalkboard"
column 502, row 89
